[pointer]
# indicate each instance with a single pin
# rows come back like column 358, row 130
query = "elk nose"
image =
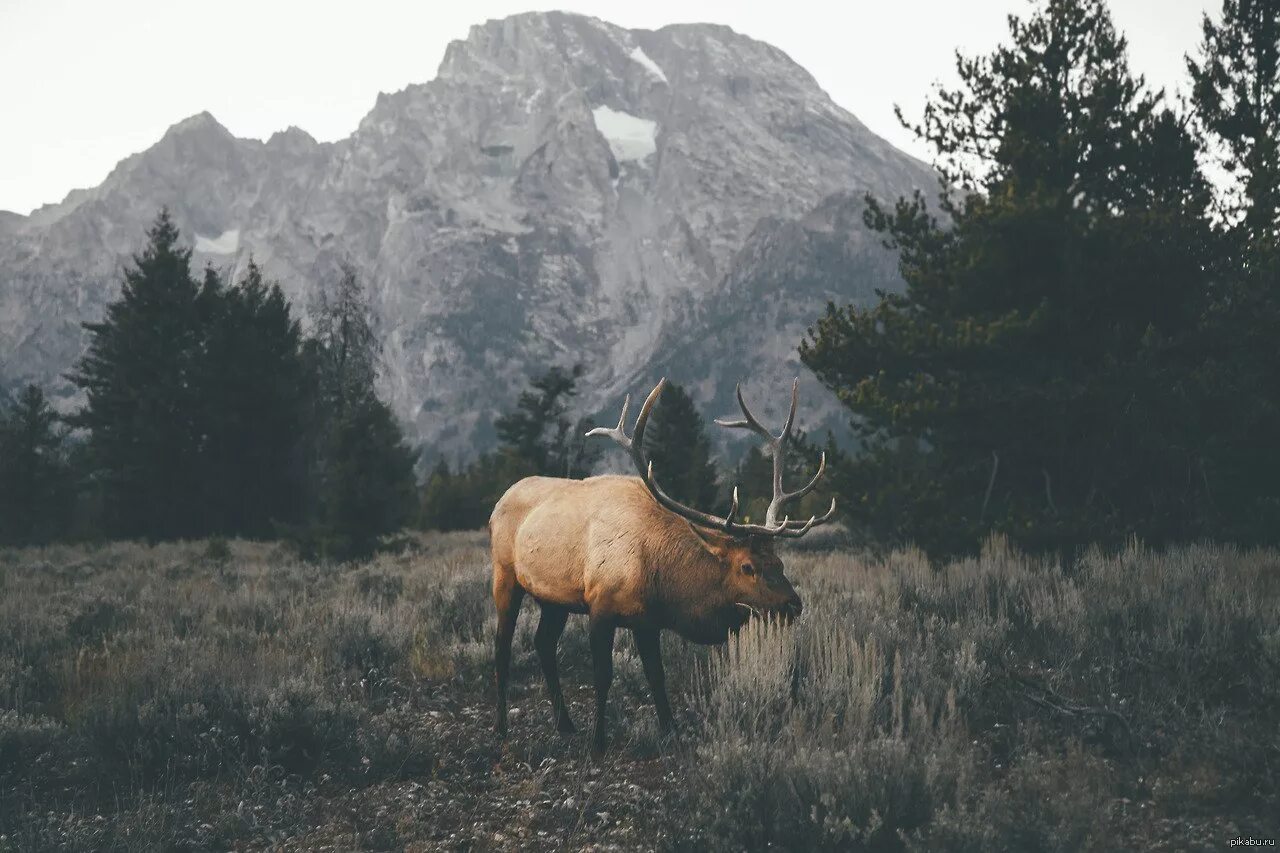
column 794, row 607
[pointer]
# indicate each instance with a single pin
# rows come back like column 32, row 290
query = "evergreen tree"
column 676, row 441
column 1236, row 89
column 35, row 480
column 440, row 507
column 1236, row 94
column 253, row 402
column 349, row 350
column 141, row 376
column 359, row 466
column 1034, row 377
column 539, row 436
column 195, row 400
column 368, row 489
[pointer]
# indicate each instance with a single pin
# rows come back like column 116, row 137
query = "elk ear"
column 711, row 541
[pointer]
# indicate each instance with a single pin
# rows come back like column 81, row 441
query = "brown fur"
column 603, row 546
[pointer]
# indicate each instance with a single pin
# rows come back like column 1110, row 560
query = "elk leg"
column 602, row 631
column 550, row 627
column 507, row 595
column 650, row 648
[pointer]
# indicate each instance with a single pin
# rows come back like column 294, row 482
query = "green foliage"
column 360, row 471
column 142, row 379
column 346, row 346
column 1236, row 90
column 252, row 406
column 463, row 500
column 538, row 436
column 676, row 442
column 367, row 484
column 208, row 412
column 443, row 505
column 35, row 475
column 194, row 400
column 1236, row 96
column 1036, row 376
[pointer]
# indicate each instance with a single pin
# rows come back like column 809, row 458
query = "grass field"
column 223, row 695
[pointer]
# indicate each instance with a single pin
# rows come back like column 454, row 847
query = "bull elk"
column 627, row 554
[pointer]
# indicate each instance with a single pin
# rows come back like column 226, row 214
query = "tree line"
column 539, row 437
column 208, row 412
column 1087, row 346
column 1085, row 350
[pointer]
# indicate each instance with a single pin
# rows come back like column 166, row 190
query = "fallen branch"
column 1051, row 700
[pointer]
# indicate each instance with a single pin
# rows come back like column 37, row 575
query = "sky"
column 85, row 84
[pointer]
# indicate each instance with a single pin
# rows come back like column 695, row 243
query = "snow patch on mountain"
column 225, row 243
column 641, row 57
column 629, row 137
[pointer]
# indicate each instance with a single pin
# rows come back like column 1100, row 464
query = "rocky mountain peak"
column 564, row 191
column 201, row 124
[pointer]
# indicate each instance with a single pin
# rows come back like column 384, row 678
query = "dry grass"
column 224, row 695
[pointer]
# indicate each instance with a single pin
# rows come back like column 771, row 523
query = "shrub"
column 28, row 742
column 811, row 740
column 368, row 641
column 997, row 703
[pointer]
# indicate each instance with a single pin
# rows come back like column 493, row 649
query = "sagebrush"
column 224, row 694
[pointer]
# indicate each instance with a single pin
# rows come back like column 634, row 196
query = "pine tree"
column 140, row 376
column 253, row 401
column 35, row 480
column 539, row 437
column 359, row 466
column 196, row 400
column 1236, row 88
column 1034, row 377
column 676, row 441
column 1236, row 92
column 369, row 486
column 349, row 349
column 439, row 507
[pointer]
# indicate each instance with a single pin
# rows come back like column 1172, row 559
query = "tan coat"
column 604, row 545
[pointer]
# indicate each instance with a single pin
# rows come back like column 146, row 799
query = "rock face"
column 681, row 201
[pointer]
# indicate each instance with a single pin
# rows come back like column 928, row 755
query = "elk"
column 622, row 551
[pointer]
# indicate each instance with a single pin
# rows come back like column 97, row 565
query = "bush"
column 995, row 703
column 813, row 741
column 28, row 742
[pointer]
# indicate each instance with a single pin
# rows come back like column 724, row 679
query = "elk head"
column 751, row 574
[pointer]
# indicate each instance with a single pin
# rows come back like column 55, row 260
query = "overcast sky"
column 85, row 84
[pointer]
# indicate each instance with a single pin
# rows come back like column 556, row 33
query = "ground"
column 219, row 695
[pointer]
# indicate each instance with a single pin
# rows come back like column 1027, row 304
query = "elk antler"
column 786, row 528
column 778, row 448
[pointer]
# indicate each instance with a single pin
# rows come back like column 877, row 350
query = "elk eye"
column 748, row 569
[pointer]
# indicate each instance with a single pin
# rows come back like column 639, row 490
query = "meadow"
column 225, row 695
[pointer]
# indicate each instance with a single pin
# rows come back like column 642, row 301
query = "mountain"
column 681, row 201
